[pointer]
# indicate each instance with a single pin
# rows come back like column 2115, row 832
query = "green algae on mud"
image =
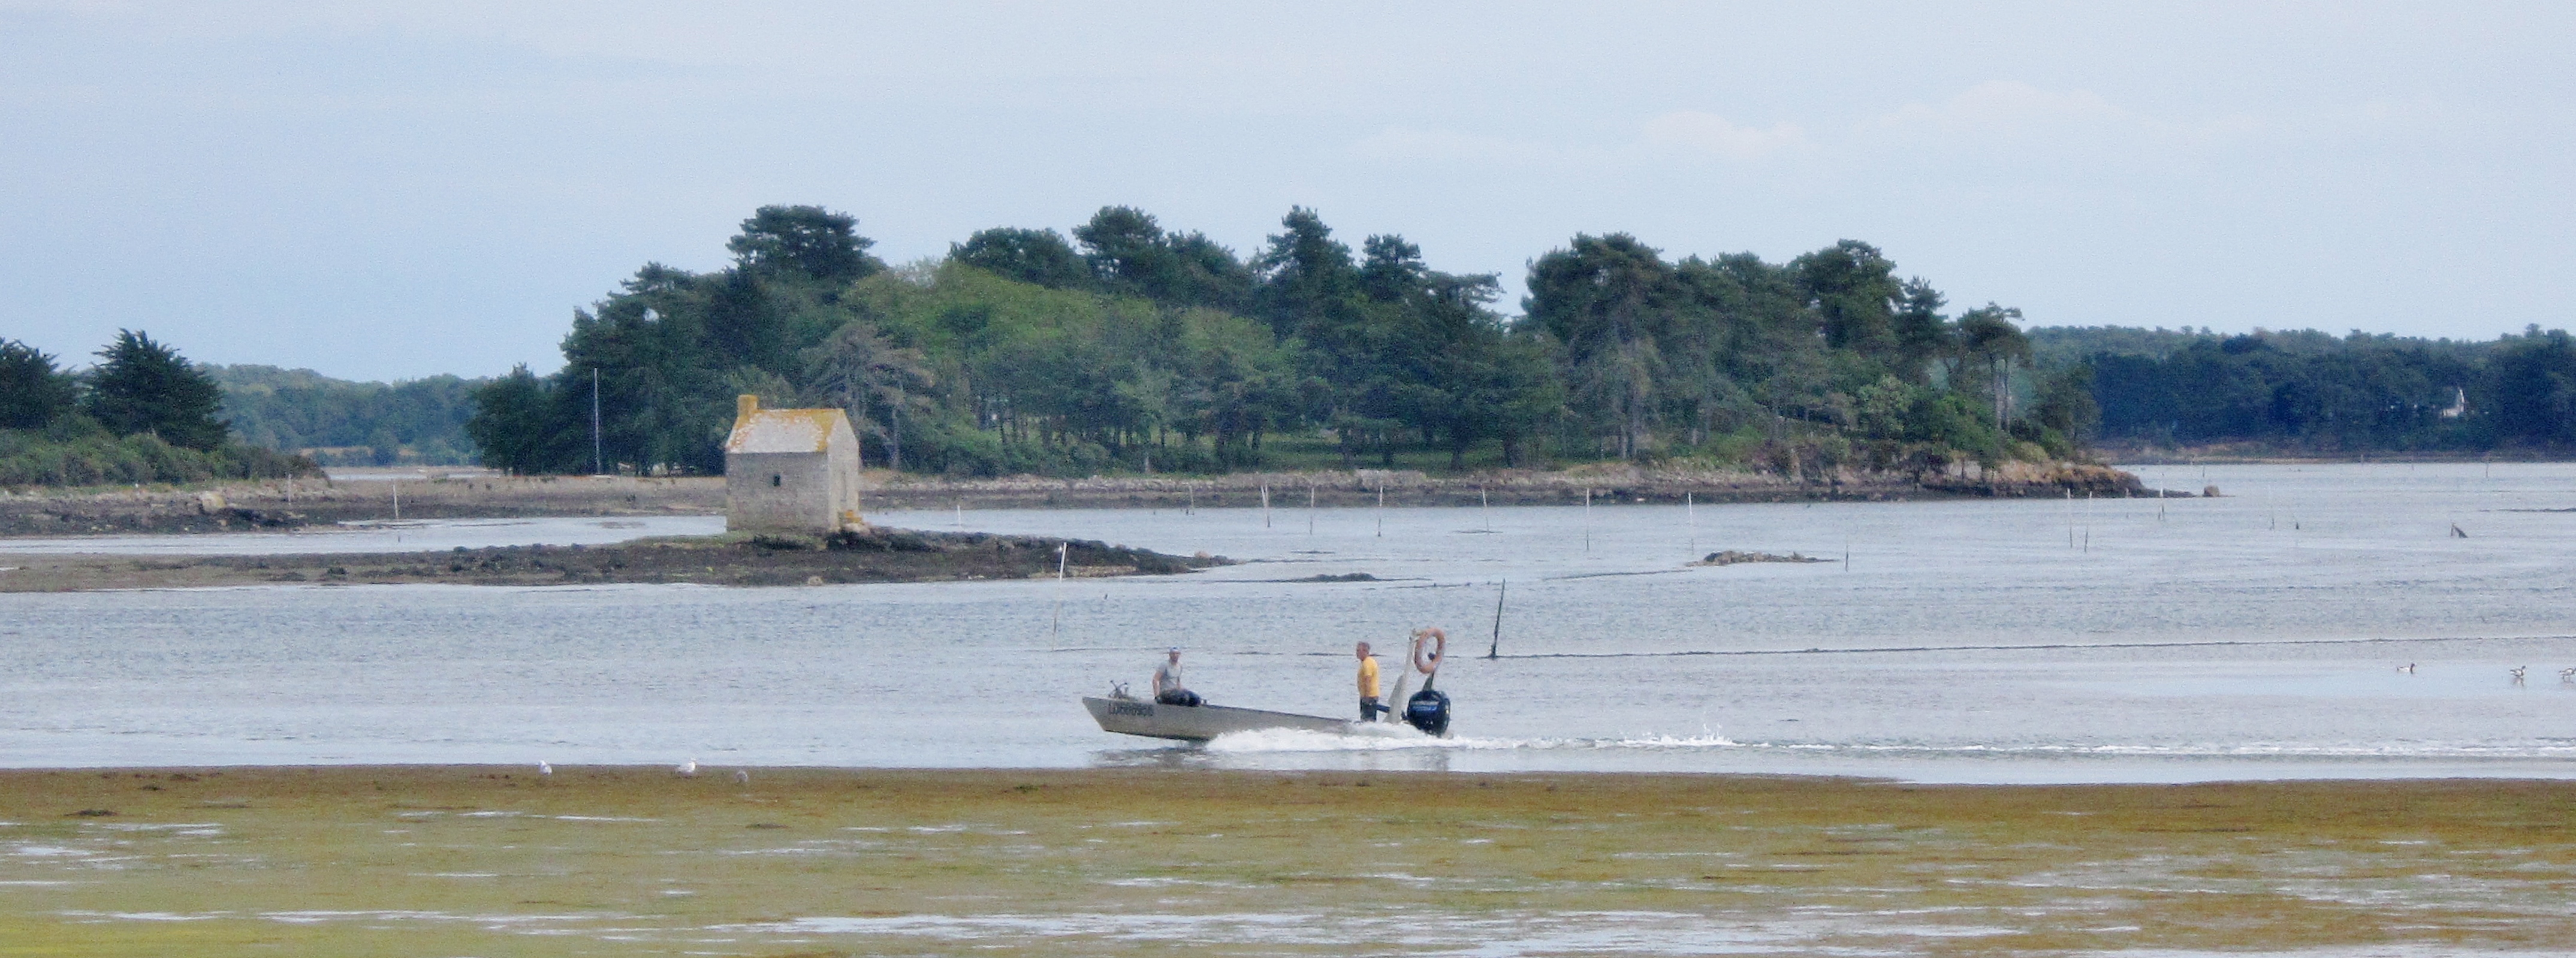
column 484, row 860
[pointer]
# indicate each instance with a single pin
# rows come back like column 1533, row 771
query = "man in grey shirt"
column 1168, row 689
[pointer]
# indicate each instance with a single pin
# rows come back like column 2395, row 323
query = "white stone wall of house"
column 843, row 456
column 783, row 492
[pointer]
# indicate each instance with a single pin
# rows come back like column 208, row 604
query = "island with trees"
column 1132, row 348
column 1030, row 366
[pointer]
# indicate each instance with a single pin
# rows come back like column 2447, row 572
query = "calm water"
column 2257, row 635
column 377, row 537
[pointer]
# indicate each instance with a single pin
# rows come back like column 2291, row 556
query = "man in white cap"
column 1168, row 689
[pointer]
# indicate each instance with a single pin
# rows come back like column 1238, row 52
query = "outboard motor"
column 1428, row 710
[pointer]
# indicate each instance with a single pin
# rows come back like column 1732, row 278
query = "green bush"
column 77, row 452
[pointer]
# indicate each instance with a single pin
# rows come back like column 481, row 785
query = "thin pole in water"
column 2160, row 505
column 397, row 500
column 961, row 515
column 1847, row 553
column 1587, row 518
column 1193, row 508
column 2088, row 523
column 1265, row 503
column 2070, row 518
column 1485, row 507
column 1055, row 629
column 1496, row 651
column 1381, row 510
column 1690, row 517
column 1310, row 508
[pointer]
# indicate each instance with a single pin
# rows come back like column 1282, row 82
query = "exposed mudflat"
column 457, row 860
column 877, row 555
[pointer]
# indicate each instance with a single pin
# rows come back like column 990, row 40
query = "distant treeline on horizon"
column 1128, row 347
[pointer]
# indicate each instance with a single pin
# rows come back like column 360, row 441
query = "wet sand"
column 498, row 860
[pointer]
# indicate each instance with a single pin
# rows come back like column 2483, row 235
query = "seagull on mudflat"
column 544, row 769
column 2518, row 670
column 687, row 769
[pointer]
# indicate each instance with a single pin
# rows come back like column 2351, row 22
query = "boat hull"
column 1198, row 723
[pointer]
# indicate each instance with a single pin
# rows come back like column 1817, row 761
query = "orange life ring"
column 1440, row 647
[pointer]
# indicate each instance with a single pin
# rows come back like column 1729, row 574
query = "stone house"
column 791, row 470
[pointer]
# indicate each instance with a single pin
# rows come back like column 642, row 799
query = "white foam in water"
column 1394, row 738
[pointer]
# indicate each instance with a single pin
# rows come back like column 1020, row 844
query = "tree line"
column 1130, row 346
column 2313, row 391
column 144, row 413
column 338, row 422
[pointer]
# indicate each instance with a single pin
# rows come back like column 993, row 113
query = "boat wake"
column 1396, row 738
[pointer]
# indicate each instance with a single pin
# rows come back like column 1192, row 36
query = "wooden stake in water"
column 2070, row 518
column 1587, row 518
column 1496, row 650
column 1485, row 508
column 2160, row 505
column 1265, row 504
column 1690, row 517
column 397, row 500
column 1193, row 508
column 961, row 515
column 1381, row 510
column 1310, row 510
column 1055, row 629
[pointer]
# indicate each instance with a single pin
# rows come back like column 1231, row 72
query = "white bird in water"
column 2567, row 675
column 741, row 776
column 687, row 769
column 2518, row 670
column 2408, row 668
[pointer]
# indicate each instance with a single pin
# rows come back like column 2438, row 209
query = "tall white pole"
column 1587, row 518
column 598, row 455
column 1381, row 510
column 1265, row 503
column 1055, row 630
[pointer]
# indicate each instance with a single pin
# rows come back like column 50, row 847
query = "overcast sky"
column 396, row 190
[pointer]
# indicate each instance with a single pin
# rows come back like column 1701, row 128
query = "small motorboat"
column 1128, row 715
column 1125, row 714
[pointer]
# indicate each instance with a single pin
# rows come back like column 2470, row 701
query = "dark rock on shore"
column 876, row 555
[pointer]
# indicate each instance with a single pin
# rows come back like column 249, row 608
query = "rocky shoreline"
column 874, row 556
column 1600, row 484
column 281, row 505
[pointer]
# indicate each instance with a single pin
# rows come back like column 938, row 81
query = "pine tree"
column 144, row 386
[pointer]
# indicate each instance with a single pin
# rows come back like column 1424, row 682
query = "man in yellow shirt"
column 1369, row 707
